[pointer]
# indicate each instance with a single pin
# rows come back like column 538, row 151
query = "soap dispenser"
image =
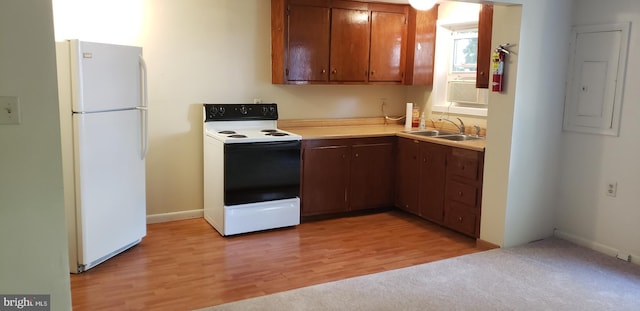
column 423, row 121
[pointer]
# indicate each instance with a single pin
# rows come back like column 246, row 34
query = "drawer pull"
column 460, row 219
column 460, row 193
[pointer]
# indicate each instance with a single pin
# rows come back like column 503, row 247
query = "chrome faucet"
column 459, row 127
column 477, row 127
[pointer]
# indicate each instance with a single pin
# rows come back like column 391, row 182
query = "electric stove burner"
column 277, row 134
column 227, row 132
column 269, row 131
column 237, row 136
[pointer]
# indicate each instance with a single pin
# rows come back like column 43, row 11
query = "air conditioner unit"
column 463, row 92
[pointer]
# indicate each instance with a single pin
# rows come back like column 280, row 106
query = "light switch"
column 9, row 110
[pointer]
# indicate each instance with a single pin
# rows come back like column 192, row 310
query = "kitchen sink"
column 457, row 137
column 430, row 133
column 424, row 132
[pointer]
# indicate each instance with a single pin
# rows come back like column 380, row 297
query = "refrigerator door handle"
column 143, row 107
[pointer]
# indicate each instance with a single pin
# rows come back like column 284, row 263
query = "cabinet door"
column 371, row 180
column 324, row 178
column 459, row 218
column 308, row 43
column 485, row 26
column 349, row 60
column 464, row 163
column 421, row 41
column 407, row 175
column 432, row 181
column 388, row 40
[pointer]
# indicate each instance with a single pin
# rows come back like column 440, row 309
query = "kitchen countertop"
column 374, row 130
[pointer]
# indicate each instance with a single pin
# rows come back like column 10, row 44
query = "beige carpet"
column 551, row 274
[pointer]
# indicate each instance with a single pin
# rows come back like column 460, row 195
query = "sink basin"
column 424, row 132
column 458, row 137
column 429, row 133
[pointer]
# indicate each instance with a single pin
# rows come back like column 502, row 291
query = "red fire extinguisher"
column 497, row 66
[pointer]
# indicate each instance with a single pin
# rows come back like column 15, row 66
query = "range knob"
column 272, row 110
column 243, row 109
column 220, row 110
column 265, row 110
column 212, row 111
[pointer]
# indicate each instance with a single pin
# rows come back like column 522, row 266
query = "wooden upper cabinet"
column 421, row 41
column 338, row 42
column 388, row 46
column 485, row 27
column 308, row 43
column 349, row 58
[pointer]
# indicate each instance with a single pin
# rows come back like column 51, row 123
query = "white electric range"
column 251, row 169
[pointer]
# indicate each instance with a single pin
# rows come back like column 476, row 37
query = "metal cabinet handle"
column 460, row 219
column 334, row 71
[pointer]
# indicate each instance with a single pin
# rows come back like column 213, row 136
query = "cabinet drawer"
column 459, row 218
column 462, row 193
column 464, row 163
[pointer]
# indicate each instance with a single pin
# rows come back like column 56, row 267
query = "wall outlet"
column 257, row 100
column 624, row 256
column 9, row 110
column 612, row 189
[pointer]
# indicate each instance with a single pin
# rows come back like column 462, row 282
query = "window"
column 464, row 52
column 455, row 73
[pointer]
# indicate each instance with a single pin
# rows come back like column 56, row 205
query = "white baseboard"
column 182, row 215
column 596, row 246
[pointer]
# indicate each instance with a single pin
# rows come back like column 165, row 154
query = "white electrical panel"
column 596, row 78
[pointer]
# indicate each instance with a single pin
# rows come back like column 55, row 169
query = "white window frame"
column 442, row 75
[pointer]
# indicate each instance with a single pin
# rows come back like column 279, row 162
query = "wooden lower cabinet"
column 371, row 180
column 432, row 181
column 324, row 177
column 440, row 183
column 341, row 175
column 463, row 194
column 420, row 177
column 406, row 196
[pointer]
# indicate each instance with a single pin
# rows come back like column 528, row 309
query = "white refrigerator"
column 103, row 121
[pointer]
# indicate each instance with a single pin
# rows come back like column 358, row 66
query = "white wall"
column 219, row 51
column 500, row 122
column 537, row 121
column 32, row 226
column 585, row 214
column 523, row 141
column 208, row 51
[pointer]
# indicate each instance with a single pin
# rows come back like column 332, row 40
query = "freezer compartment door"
column 105, row 76
column 110, row 183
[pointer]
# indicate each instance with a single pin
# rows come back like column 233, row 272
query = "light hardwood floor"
column 185, row 265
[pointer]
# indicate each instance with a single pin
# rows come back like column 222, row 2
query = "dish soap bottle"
column 415, row 117
column 423, row 121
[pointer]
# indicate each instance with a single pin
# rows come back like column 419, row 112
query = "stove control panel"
column 240, row 112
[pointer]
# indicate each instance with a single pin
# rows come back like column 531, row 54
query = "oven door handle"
column 263, row 145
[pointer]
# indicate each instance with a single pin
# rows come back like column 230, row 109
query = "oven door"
column 262, row 171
